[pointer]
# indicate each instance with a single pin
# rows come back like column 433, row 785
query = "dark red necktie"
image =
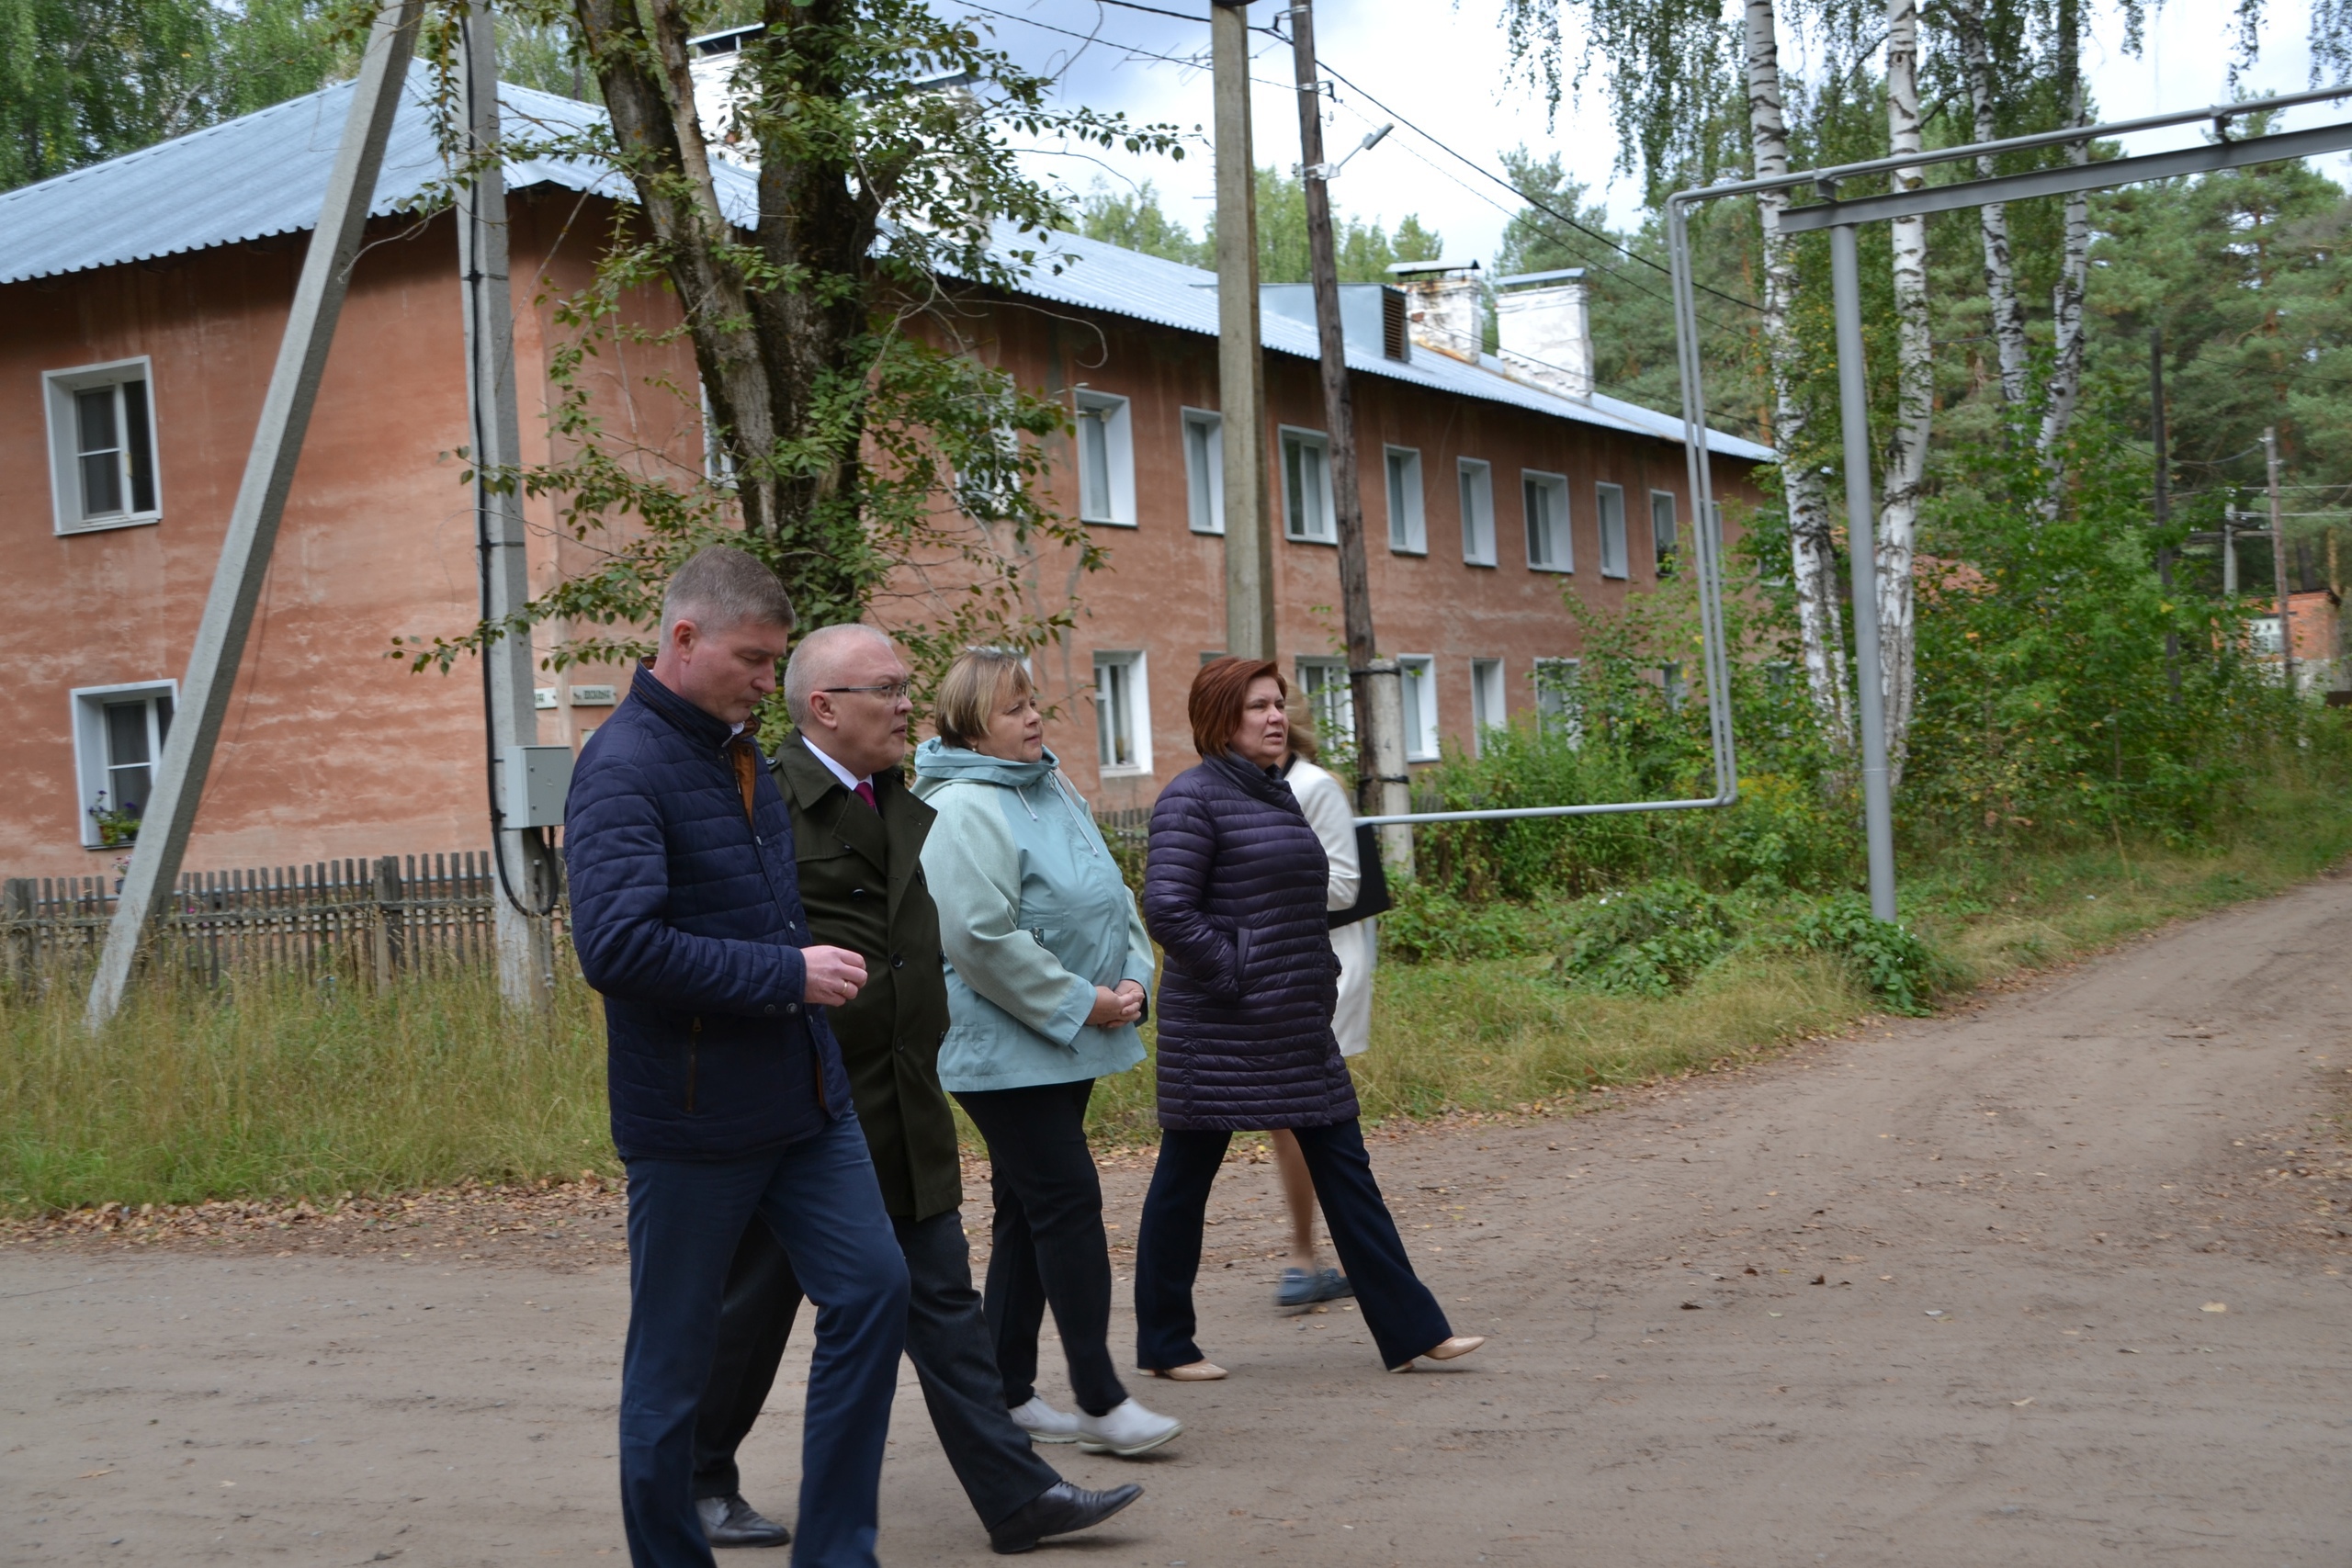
column 865, row 794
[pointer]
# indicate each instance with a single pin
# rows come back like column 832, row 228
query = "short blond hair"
column 970, row 691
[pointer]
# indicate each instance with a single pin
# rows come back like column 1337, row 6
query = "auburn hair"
column 1221, row 694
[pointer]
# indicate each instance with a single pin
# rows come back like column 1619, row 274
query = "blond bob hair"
column 980, row 681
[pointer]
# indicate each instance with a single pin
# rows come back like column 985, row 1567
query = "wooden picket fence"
column 379, row 918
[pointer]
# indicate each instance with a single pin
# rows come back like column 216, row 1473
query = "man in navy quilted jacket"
column 730, row 1103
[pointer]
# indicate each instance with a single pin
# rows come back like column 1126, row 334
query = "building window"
column 1408, row 534
column 1489, row 708
column 1204, row 470
column 1419, row 673
column 102, row 446
column 1662, row 531
column 1121, row 713
column 118, row 740
column 1610, row 500
column 1331, row 700
column 1478, row 511
column 1107, row 460
column 989, row 482
column 1548, row 548
column 1559, row 707
column 1307, row 486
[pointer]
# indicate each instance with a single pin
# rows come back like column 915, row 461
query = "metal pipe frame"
column 1842, row 217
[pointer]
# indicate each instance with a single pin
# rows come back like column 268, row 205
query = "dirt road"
column 1947, row 1292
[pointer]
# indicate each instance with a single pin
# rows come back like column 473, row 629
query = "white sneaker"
column 1126, row 1431
column 1044, row 1423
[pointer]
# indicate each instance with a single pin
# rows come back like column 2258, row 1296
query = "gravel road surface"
column 2057, row 1280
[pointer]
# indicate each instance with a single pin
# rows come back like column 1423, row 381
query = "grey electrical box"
column 533, row 782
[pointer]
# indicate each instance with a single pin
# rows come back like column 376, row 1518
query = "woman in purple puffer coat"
column 1235, row 894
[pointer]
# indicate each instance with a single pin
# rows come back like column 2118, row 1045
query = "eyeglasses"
column 892, row 690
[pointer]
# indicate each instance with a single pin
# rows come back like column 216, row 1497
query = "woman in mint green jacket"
column 1049, row 971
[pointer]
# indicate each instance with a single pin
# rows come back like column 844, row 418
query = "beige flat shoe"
column 1451, row 1349
column 1191, row 1371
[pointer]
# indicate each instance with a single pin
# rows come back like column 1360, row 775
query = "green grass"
column 271, row 1086
column 278, row 1089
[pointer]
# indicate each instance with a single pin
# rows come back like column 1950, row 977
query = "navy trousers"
column 947, row 1339
column 819, row 1200
column 1404, row 1318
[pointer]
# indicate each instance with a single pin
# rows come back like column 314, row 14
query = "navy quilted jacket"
column 1235, row 896
column 686, row 914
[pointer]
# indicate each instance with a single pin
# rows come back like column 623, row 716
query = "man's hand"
column 1114, row 1008
column 835, row 976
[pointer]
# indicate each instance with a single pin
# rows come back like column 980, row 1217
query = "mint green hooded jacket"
column 1033, row 916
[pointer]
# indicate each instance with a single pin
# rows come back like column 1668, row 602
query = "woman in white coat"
column 1307, row 1281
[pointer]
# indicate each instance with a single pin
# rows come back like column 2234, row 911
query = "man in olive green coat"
column 857, row 836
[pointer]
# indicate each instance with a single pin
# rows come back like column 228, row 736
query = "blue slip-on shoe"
column 1301, row 1291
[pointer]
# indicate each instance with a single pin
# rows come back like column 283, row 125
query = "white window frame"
column 1137, row 713
column 92, row 764
column 59, row 390
column 1559, row 710
column 985, row 503
column 1408, row 532
column 1474, row 483
column 1108, row 413
column 1417, row 674
column 1561, row 552
column 1331, row 697
column 1204, row 438
column 1292, row 438
column 1614, row 555
column 1489, row 702
column 1663, row 545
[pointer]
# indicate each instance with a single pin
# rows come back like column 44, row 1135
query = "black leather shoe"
column 1059, row 1510
column 730, row 1522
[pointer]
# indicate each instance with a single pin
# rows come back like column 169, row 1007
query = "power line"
column 1540, row 206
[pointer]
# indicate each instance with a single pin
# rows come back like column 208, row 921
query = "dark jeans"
column 947, row 1339
column 1404, row 1318
column 819, row 1198
column 1048, row 1247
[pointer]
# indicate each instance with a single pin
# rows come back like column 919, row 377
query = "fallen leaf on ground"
column 2215, row 1306
column 2021, row 1402
column 92, row 1475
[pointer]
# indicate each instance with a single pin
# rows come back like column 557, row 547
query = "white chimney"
column 1545, row 332
column 1442, row 303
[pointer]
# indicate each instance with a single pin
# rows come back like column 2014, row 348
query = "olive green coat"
column 860, row 878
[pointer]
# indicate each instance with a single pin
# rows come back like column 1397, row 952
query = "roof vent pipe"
column 1442, row 303
column 1544, row 328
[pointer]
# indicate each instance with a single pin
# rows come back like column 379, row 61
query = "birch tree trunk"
column 1812, row 555
column 2065, row 386
column 1993, row 217
column 1906, row 458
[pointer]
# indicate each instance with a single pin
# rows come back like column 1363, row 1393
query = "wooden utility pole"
column 1382, row 785
column 253, row 517
column 2160, row 439
column 1241, row 362
column 2278, row 562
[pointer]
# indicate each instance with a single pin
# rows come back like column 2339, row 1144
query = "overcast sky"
column 1444, row 67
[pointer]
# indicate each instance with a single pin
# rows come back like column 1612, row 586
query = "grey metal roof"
column 266, row 173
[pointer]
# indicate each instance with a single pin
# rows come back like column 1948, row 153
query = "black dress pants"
column 946, row 1336
column 1048, row 1245
column 1402, row 1315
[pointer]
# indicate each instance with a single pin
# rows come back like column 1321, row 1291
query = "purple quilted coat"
column 1235, row 894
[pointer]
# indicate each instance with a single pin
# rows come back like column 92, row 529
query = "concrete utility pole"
column 261, row 501
column 1382, row 786
column 1241, row 362
column 2278, row 562
column 2159, row 438
column 525, row 874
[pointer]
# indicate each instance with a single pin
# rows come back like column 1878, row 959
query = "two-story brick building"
column 142, row 301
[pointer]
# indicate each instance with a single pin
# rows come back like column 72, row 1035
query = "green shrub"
column 1647, row 940
column 1429, row 923
column 1896, row 966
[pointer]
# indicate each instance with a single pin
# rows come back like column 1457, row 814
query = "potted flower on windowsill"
column 116, row 828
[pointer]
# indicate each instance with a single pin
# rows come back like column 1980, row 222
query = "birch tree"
column 2063, row 388
column 1915, row 400
column 1812, row 566
column 1973, row 23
